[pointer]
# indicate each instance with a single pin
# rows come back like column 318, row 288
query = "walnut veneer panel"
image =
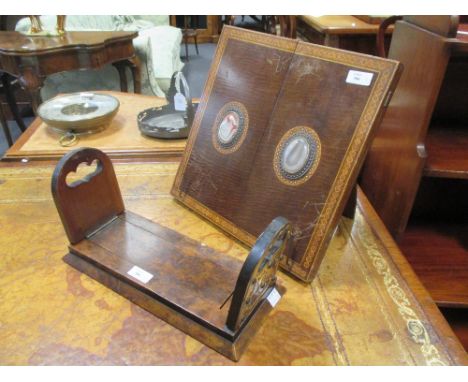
column 121, row 139
column 185, row 272
column 365, row 306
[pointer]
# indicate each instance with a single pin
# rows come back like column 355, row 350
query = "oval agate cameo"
column 297, row 155
column 230, row 127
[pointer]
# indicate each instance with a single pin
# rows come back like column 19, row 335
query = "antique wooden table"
column 32, row 59
column 122, row 139
column 365, row 307
column 344, row 32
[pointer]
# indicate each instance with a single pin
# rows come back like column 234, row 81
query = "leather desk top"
column 121, row 139
column 365, row 306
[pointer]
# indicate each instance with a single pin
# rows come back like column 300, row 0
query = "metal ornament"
column 257, row 277
column 174, row 120
column 75, row 114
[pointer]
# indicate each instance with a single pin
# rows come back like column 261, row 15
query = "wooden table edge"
column 314, row 22
column 23, row 138
column 120, row 36
column 14, row 152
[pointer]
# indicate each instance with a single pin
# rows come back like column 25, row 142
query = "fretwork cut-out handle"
column 90, row 202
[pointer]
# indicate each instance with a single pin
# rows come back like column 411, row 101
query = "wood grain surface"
column 416, row 172
column 341, row 24
column 32, row 59
column 438, row 253
column 392, row 172
column 355, row 33
column 447, row 152
column 121, row 139
column 17, row 43
column 283, row 85
column 365, row 307
column 172, row 259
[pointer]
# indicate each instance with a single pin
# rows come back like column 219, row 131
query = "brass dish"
column 79, row 113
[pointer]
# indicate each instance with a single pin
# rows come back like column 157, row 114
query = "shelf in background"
column 459, row 44
column 438, row 253
column 458, row 321
column 447, row 152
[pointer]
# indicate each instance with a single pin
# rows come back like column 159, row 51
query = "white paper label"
column 180, row 103
column 140, row 274
column 273, row 297
column 359, row 78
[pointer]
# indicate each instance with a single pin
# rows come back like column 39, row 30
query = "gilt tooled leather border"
column 418, row 327
column 384, row 70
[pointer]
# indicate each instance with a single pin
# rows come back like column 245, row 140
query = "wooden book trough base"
column 215, row 299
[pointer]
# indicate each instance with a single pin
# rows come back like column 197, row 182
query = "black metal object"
column 165, row 121
column 257, row 277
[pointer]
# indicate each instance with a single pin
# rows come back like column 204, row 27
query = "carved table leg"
column 35, row 98
column 135, row 66
column 120, row 66
column 33, row 84
column 4, row 124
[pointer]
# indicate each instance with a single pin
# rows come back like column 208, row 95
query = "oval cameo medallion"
column 297, row 155
column 230, row 127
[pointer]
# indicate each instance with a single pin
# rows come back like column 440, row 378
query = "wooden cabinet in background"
column 416, row 172
column 356, row 33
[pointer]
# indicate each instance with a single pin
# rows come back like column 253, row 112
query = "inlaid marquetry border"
column 384, row 71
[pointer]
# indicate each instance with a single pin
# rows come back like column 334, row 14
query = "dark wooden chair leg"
column 380, row 43
column 4, row 124
column 10, row 98
column 196, row 44
column 186, row 48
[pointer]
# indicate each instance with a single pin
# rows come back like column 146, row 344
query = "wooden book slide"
column 212, row 297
